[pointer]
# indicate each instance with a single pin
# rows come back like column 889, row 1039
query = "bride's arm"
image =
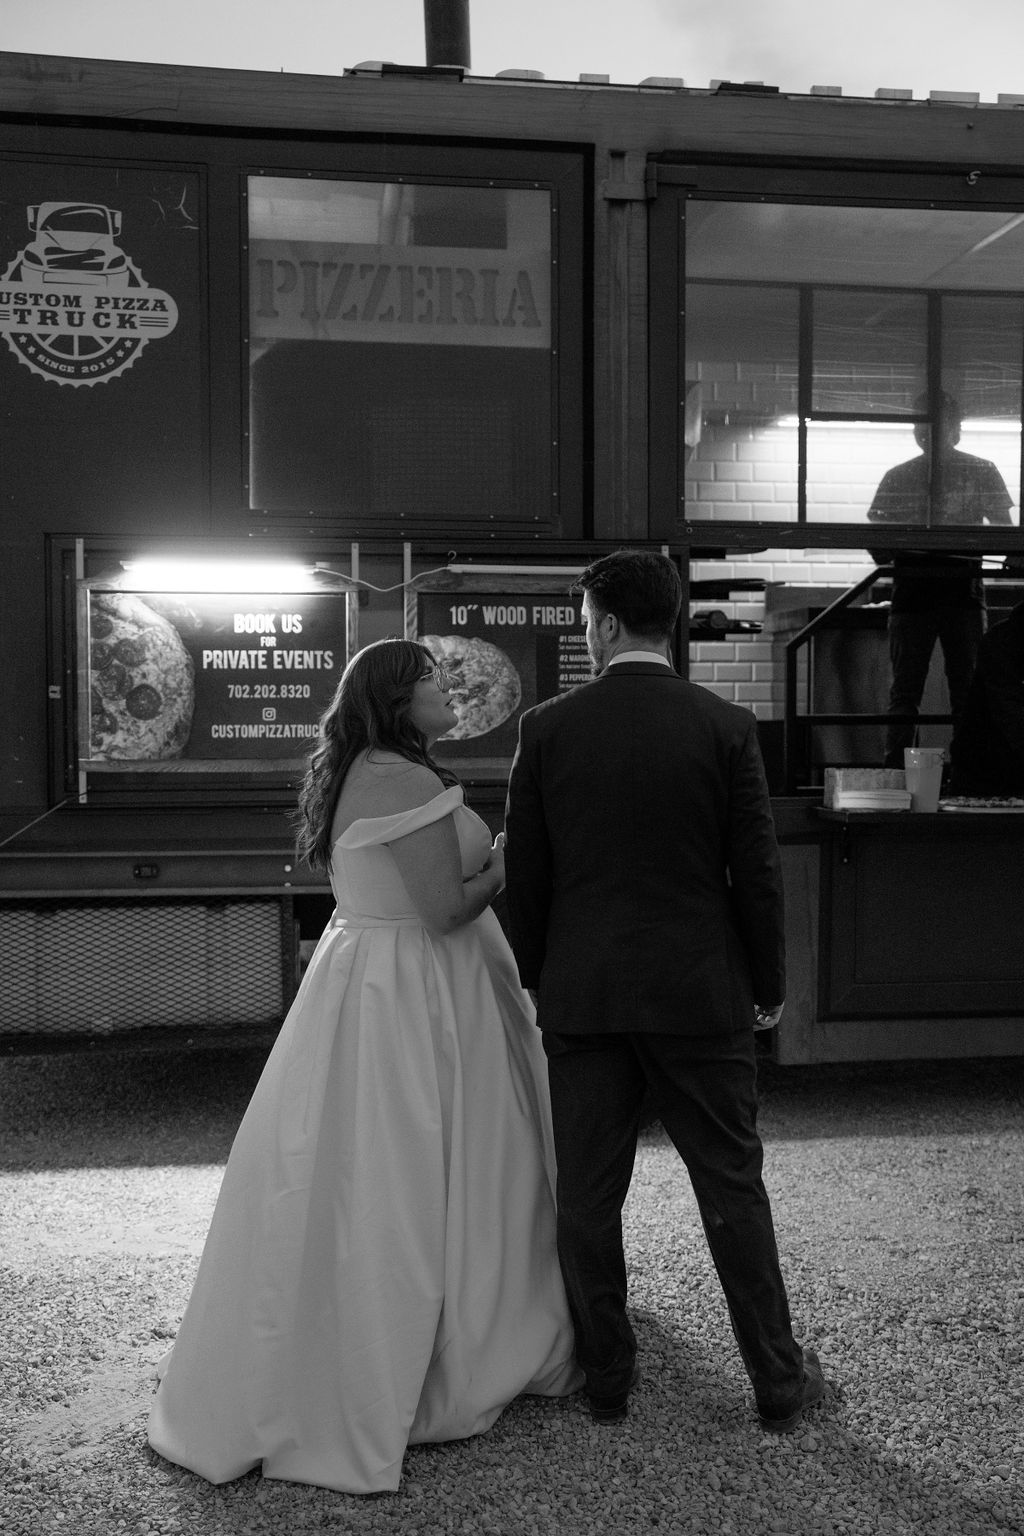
column 430, row 865
column 428, row 859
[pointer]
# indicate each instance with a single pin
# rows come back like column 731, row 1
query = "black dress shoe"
column 812, row 1392
column 613, row 1409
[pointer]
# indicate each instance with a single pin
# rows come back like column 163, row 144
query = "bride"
column 381, row 1267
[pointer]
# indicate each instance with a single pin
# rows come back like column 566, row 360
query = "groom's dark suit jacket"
column 643, row 877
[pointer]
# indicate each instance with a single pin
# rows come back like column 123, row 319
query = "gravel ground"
column 898, row 1194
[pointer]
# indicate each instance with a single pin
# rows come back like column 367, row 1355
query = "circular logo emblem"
column 73, row 307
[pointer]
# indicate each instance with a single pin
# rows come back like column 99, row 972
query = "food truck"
column 292, row 363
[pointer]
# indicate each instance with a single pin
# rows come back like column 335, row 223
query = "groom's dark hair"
column 640, row 587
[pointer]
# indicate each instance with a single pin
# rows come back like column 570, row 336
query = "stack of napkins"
column 866, row 789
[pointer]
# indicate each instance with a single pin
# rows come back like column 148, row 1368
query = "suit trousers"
column 704, row 1091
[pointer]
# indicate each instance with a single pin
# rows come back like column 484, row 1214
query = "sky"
column 860, row 45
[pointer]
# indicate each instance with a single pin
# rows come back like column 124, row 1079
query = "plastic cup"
column 922, row 768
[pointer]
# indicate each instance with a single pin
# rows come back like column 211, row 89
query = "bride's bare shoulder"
column 383, row 784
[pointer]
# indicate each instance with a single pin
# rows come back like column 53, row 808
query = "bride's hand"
column 496, row 859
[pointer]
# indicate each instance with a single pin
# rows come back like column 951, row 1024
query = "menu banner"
column 180, row 680
column 505, row 652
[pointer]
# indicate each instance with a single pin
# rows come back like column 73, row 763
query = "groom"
column 645, row 905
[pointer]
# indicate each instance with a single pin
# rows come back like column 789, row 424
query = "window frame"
column 813, row 184
column 561, row 173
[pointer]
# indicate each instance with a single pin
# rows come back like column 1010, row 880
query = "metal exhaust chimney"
column 447, row 29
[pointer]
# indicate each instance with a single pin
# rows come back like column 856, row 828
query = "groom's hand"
column 767, row 1018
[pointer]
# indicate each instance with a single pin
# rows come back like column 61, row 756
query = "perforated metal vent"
column 104, row 967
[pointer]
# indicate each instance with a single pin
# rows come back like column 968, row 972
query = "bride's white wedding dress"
column 381, row 1267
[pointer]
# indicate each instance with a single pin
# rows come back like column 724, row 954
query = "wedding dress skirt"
column 381, row 1268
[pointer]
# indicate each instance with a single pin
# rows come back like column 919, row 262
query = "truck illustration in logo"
column 73, row 306
column 75, row 243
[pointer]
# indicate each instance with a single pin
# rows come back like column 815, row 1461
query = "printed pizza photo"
column 142, row 682
column 486, row 689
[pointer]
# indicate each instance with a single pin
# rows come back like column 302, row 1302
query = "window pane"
column 879, row 287
column 982, row 347
column 870, row 350
column 846, row 461
column 400, row 349
column 883, row 474
column 871, row 247
column 941, row 487
column 741, row 381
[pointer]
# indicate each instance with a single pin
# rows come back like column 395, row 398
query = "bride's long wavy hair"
column 370, row 708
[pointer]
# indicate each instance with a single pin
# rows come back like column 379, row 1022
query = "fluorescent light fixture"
column 969, row 424
column 170, row 575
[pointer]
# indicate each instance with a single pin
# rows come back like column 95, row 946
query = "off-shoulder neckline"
column 363, row 821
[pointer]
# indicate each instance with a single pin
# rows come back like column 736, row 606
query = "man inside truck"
column 935, row 597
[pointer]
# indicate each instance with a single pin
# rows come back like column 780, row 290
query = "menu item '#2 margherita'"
column 485, row 685
column 142, row 682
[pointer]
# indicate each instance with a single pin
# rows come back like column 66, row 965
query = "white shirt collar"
column 639, row 656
